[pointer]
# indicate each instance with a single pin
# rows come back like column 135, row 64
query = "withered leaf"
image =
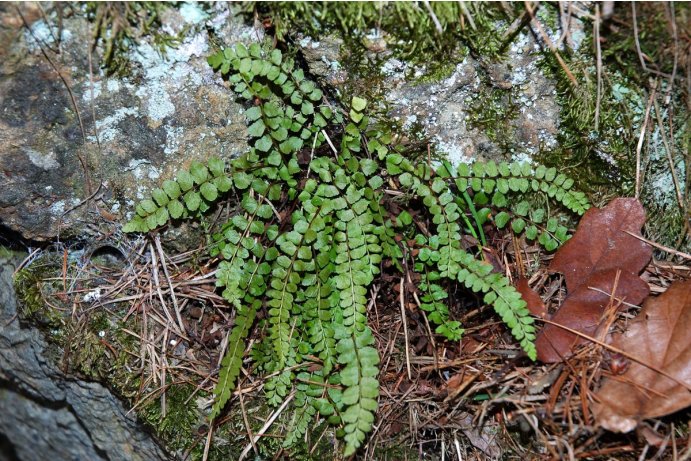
column 535, row 304
column 660, row 337
column 590, row 261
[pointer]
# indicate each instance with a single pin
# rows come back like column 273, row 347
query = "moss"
column 178, row 427
column 93, row 343
column 598, row 160
column 33, row 284
column 492, row 111
column 119, row 25
column 406, row 30
column 7, row 253
column 602, row 157
column 439, row 72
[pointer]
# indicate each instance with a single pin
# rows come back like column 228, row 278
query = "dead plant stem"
column 405, row 329
column 157, row 240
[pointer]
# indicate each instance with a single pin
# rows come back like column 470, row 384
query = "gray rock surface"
column 137, row 130
column 482, row 110
column 46, row 415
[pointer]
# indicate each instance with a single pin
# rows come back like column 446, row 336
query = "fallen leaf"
column 600, row 249
column 660, row 337
column 536, row 305
column 483, row 438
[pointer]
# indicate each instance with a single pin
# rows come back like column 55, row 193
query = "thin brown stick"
column 661, row 247
column 91, row 87
column 535, row 23
column 405, row 330
column 598, row 65
column 207, row 443
column 157, row 284
column 619, row 351
column 670, row 159
column 516, row 26
column 466, row 14
column 266, row 425
column 435, row 20
column 157, row 240
column 639, row 146
column 675, row 37
column 641, row 56
column 246, row 422
column 565, row 16
column 87, row 178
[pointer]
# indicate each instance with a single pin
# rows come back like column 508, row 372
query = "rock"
column 499, row 110
column 137, row 130
column 49, row 415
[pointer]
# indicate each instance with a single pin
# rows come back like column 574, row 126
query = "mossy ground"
column 96, row 342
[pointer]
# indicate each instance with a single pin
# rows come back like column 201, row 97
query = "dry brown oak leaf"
column 590, row 261
column 536, row 305
column 660, row 337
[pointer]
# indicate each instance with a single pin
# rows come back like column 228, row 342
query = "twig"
column 565, row 16
column 405, row 330
column 598, row 65
column 91, row 88
column 516, row 26
column 639, row 146
column 157, row 240
column 314, row 145
column 331, row 145
column 273, row 208
column 87, row 178
column 668, row 150
column 247, row 424
column 164, row 370
column 619, row 351
column 207, row 444
column 550, row 44
column 673, row 21
column 641, row 56
column 266, row 425
column 613, row 298
column 435, row 20
column 467, row 14
column 154, row 271
column 661, row 247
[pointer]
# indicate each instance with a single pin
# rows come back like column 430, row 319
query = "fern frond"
column 232, row 360
column 305, row 410
column 193, row 191
column 354, row 273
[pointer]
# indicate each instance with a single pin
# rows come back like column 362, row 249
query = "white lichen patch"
column 142, row 169
column 174, row 135
column 41, row 34
column 454, row 152
column 107, row 127
column 192, row 13
column 522, row 157
column 58, row 208
column 45, row 161
column 156, row 101
column 168, row 74
column 663, row 185
column 91, row 296
column 394, row 68
column 112, row 85
column 92, row 92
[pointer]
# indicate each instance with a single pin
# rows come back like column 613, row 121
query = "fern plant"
column 310, row 268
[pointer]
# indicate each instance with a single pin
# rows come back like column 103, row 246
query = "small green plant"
column 119, row 25
column 312, row 228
